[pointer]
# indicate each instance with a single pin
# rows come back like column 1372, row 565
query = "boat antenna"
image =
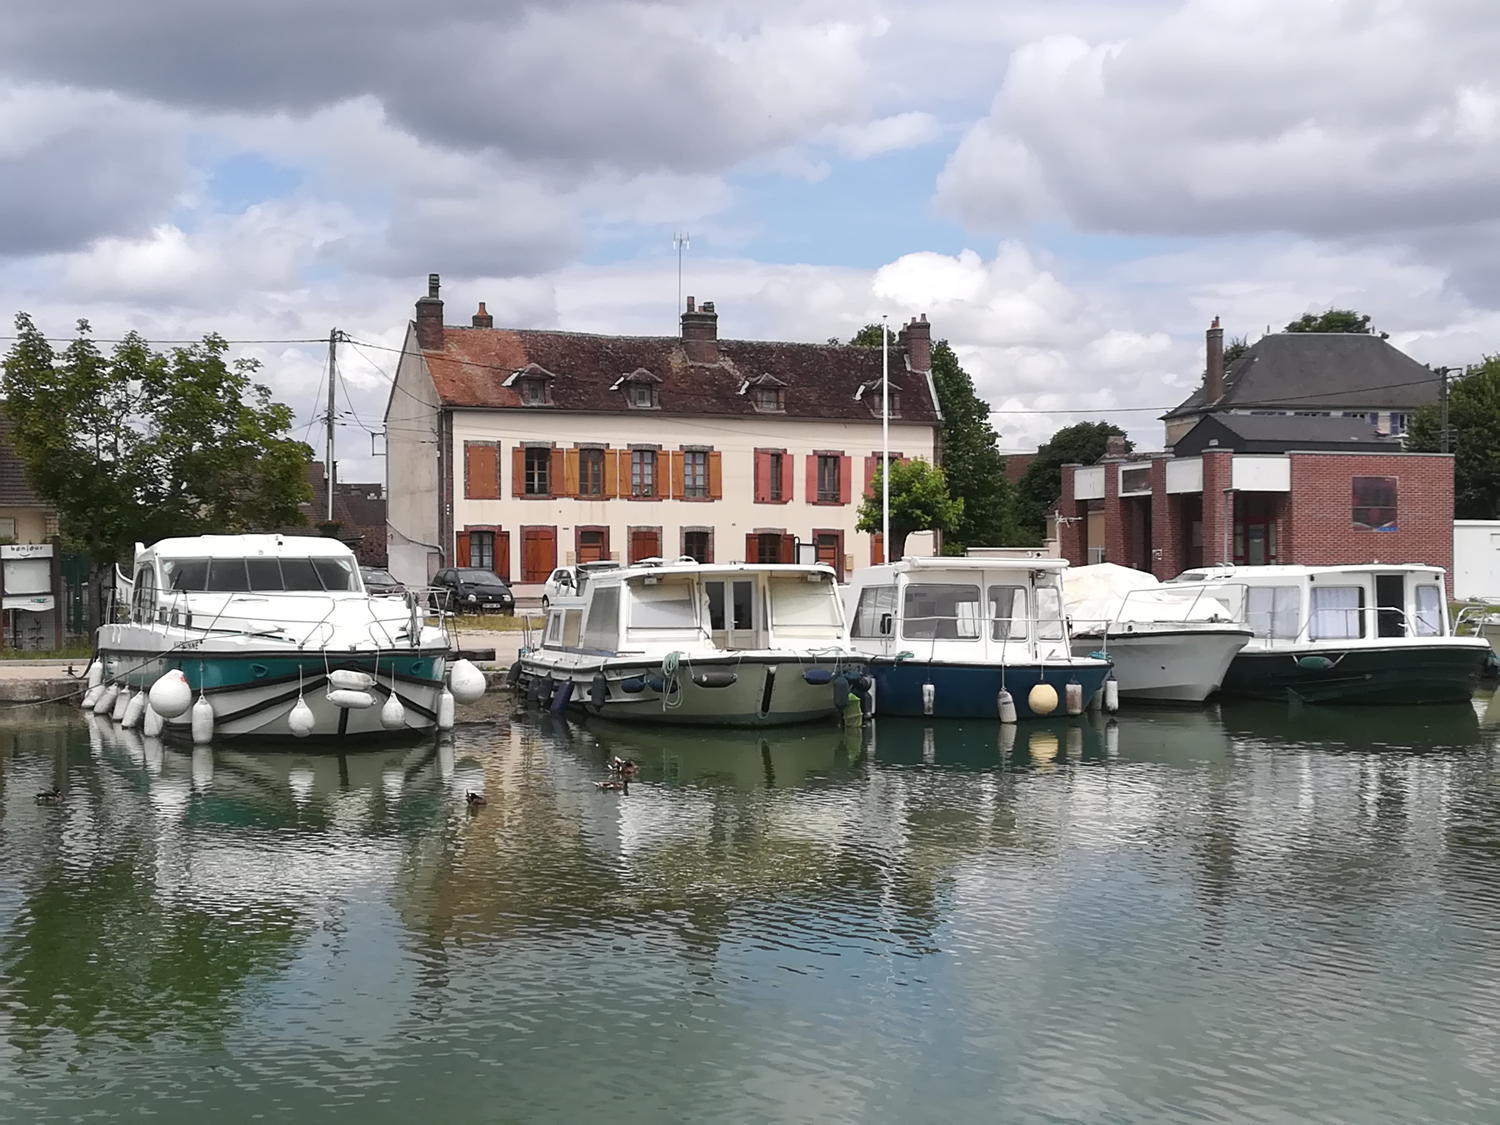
column 885, row 440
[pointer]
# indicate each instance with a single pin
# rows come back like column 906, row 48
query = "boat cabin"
column 687, row 605
column 1292, row 605
column 973, row 610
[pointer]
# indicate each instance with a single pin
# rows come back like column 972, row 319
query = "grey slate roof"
column 15, row 489
column 1279, row 433
column 1320, row 370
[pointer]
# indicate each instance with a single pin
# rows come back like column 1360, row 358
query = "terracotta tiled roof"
column 820, row 380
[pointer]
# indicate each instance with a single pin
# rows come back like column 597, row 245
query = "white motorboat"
column 1169, row 643
column 685, row 642
column 1368, row 633
column 272, row 635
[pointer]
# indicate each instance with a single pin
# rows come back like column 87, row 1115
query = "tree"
column 972, row 463
column 1236, row 347
column 140, row 445
column 1083, row 444
column 919, row 502
column 1474, row 430
column 1334, row 320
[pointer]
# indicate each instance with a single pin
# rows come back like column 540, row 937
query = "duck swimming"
column 626, row 766
column 475, row 800
column 50, row 796
column 622, row 786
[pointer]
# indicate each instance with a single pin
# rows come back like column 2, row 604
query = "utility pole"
column 885, row 442
column 333, row 374
column 1443, row 409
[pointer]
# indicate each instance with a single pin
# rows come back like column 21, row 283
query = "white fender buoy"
column 445, row 710
column 152, row 722
column 96, row 674
column 91, row 697
column 353, row 700
column 1005, row 706
column 300, row 718
column 203, row 720
column 929, row 696
column 1111, row 695
column 106, row 701
column 466, row 682
column 350, row 680
column 134, row 710
column 1073, row 698
column 392, row 714
column 1042, row 699
column 122, row 703
column 170, row 695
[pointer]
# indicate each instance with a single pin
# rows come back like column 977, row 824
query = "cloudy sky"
column 1070, row 189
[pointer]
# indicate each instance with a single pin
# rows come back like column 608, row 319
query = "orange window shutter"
column 678, row 485
column 556, row 473
column 750, row 551
column 461, row 553
column 715, row 475
column 812, row 478
column 762, row 477
column 788, row 471
column 788, row 548
column 877, row 549
column 611, row 473
column 518, row 471
column 570, row 473
column 846, row 470
column 871, row 463
column 481, row 470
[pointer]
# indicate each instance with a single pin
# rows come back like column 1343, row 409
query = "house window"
column 8, row 529
column 591, row 472
column 828, row 550
column 538, row 472
column 1398, row 424
column 643, row 472
column 698, row 544
column 828, row 478
column 773, row 482
column 533, row 392
column 768, row 399
column 1375, row 503
column 1135, row 480
column 768, row 547
column 593, row 545
column 642, row 396
column 482, row 549
column 695, row 474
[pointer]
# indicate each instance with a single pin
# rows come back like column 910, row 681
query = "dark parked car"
column 379, row 581
column 471, row 589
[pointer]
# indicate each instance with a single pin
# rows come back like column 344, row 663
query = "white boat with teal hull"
column 272, row 635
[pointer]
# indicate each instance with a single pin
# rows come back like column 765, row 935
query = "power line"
column 198, row 340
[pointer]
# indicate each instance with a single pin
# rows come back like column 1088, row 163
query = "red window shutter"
column 518, row 471
column 502, row 554
column 555, row 483
column 788, row 548
column 461, row 553
column 872, row 463
column 762, row 477
column 482, row 470
column 877, row 549
column 750, row 551
column 812, row 478
column 846, row 470
column 787, row 473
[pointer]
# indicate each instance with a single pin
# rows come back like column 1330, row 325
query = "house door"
column 538, row 553
column 733, row 610
column 645, row 543
column 593, row 545
column 1390, row 604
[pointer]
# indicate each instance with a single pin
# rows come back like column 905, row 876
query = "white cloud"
column 888, row 134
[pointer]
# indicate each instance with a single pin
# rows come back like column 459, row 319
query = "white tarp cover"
column 1106, row 592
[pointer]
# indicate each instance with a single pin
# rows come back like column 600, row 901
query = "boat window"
column 1337, row 612
column 1008, row 613
column 663, row 605
column 875, row 603
column 941, row 611
column 716, row 606
column 742, row 603
column 261, row 574
column 554, row 628
column 226, row 575
column 601, row 628
column 1049, row 614
column 298, row 574
column 796, row 601
column 1429, row 611
column 336, row 574
column 265, row 574
column 185, row 574
column 1273, row 611
column 572, row 626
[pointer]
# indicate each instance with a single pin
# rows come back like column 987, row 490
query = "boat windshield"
column 796, row 601
column 260, row 574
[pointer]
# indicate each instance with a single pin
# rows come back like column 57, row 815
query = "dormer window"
column 640, row 389
column 642, row 395
column 533, row 392
column 870, row 394
column 532, row 384
column 768, row 399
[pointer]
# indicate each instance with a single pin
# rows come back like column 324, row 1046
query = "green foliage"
column 1333, row 320
column 919, row 502
column 972, row 463
column 140, row 444
column 1474, row 437
column 1236, row 347
column 1083, row 444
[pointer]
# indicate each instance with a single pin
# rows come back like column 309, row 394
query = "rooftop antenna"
column 680, row 242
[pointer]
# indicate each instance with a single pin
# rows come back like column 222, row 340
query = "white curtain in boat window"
column 1274, row 611
column 1429, row 611
column 1337, row 613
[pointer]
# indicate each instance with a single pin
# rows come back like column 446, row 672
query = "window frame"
column 695, row 464
column 591, row 464
column 1363, row 516
column 536, row 467
column 482, row 544
column 643, row 472
column 826, row 461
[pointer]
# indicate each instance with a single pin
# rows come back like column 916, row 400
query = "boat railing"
column 1036, row 633
column 1474, row 616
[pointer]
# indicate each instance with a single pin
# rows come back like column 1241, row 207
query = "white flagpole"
column 885, row 442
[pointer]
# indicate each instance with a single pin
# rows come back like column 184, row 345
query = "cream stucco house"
column 521, row 450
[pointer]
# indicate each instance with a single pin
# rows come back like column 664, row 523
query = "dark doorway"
column 1390, row 602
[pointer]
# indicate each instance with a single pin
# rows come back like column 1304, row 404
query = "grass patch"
column 496, row 622
column 79, row 650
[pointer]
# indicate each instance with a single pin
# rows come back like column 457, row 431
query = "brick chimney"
column 918, row 338
column 1114, row 448
column 482, row 319
column 1213, row 378
column 700, row 333
column 430, row 317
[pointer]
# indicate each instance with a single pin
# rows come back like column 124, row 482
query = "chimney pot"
column 430, row 317
column 700, row 332
column 918, row 340
column 690, row 305
column 483, row 319
column 1213, row 376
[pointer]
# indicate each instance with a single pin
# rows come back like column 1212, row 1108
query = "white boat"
column 273, row 635
column 1169, row 643
column 686, row 642
column 1369, row 633
column 946, row 636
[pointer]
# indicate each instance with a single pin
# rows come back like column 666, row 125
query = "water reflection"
column 1167, row 915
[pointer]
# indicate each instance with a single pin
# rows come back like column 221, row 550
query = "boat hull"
column 767, row 690
column 1441, row 672
column 970, row 691
column 1168, row 665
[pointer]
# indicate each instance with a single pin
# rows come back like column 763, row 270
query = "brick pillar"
column 1167, row 548
column 1116, row 529
column 1070, row 528
column 1216, row 469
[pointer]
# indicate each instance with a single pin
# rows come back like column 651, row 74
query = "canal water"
column 1242, row 915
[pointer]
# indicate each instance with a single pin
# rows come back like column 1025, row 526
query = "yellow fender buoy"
column 1042, row 699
